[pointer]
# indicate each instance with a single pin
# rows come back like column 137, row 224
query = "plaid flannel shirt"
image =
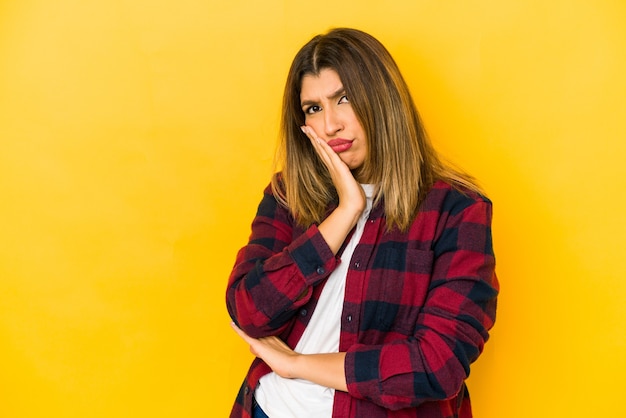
column 417, row 309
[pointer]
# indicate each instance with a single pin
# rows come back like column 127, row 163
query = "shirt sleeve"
column 274, row 273
column 452, row 325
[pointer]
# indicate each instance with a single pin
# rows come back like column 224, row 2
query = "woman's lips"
column 340, row 144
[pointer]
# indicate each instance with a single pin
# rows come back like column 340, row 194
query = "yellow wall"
column 135, row 139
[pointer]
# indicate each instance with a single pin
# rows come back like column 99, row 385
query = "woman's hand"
column 350, row 193
column 336, row 227
column 271, row 350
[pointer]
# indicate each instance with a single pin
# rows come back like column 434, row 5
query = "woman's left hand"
column 273, row 351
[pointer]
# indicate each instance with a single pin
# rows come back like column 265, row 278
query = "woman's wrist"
column 349, row 214
column 336, row 227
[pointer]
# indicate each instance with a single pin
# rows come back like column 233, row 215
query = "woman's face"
column 328, row 111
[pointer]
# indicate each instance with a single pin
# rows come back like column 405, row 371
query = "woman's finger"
column 317, row 145
column 241, row 333
column 329, row 157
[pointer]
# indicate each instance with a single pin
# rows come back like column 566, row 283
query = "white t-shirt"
column 289, row 398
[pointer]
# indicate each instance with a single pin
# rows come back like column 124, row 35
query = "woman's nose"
column 332, row 122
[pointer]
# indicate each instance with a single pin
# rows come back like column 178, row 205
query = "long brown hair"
column 401, row 161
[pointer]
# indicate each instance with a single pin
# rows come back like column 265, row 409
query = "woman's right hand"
column 336, row 227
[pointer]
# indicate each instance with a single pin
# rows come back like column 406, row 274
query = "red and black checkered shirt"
column 418, row 304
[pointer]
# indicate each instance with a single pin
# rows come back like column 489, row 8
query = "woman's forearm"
column 324, row 369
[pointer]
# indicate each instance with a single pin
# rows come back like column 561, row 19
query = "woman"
column 367, row 287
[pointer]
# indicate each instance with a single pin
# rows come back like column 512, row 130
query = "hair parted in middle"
column 401, row 161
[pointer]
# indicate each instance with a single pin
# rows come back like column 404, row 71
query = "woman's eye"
column 344, row 99
column 312, row 109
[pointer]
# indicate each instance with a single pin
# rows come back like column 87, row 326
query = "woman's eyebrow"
column 338, row 93
column 335, row 95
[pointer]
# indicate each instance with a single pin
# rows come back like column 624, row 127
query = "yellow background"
column 136, row 137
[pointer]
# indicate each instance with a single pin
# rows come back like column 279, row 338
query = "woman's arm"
column 453, row 322
column 274, row 274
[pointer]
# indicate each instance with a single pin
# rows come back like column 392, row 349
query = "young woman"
column 367, row 287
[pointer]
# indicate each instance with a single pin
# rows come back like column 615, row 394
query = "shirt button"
column 357, row 264
column 321, row 270
column 246, row 390
column 349, row 318
column 303, row 312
